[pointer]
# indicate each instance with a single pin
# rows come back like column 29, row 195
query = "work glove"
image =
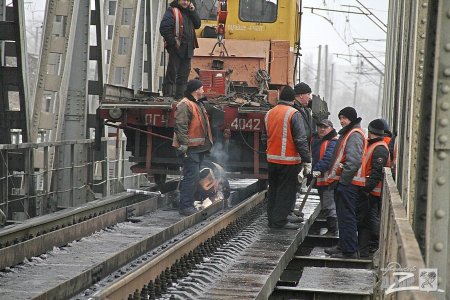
column 183, row 149
column 316, row 173
column 307, row 167
column 300, row 176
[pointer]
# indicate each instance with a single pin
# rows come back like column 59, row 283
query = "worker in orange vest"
column 287, row 154
column 322, row 148
column 375, row 159
column 347, row 175
column 192, row 139
column 178, row 30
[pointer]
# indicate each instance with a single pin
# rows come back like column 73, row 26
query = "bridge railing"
column 29, row 186
column 401, row 265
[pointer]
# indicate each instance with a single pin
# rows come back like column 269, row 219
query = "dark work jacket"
column 323, row 164
column 183, row 118
column 380, row 157
column 306, row 118
column 354, row 152
column 191, row 21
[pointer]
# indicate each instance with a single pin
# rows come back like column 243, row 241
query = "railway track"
column 221, row 252
column 79, row 260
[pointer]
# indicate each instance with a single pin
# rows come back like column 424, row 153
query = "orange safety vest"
column 197, row 129
column 322, row 180
column 179, row 28
column 336, row 170
column 387, row 139
column 367, row 161
column 280, row 144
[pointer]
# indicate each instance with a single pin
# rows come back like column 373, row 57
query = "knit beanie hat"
column 350, row 113
column 387, row 129
column 287, row 94
column 376, row 127
column 302, row 88
column 193, row 85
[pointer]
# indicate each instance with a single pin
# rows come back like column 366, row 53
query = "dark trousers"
column 177, row 74
column 282, row 192
column 346, row 197
column 191, row 176
column 368, row 214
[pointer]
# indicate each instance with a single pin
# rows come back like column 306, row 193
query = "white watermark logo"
column 396, row 278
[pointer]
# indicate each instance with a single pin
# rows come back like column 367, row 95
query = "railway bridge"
column 61, row 187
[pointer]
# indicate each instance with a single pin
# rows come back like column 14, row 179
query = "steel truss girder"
column 63, row 82
column 126, row 59
column 13, row 70
column 437, row 229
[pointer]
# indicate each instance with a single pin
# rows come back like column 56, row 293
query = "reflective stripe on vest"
column 322, row 180
column 367, row 160
column 178, row 30
column 280, row 144
column 336, row 170
column 198, row 131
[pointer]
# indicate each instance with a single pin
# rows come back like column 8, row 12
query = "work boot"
column 297, row 213
column 187, row 211
column 354, row 255
column 333, row 250
column 332, row 226
column 294, row 219
column 290, row 225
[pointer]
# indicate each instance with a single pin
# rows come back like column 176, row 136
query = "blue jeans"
column 191, row 176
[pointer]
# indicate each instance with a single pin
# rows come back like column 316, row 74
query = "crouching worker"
column 213, row 186
column 322, row 149
column 192, row 139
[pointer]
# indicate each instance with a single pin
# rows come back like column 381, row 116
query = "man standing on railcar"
column 287, row 149
column 178, row 30
column 193, row 139
column 322, row 148
column 369, row 204
column 347, row 174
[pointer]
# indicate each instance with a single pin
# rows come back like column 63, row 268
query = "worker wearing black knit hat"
column 287, row 94
column 346, row 173
column 192, row 139
column 287, row 149
column 376, row 158
column 376, row 127
column 192, row 86
column 350, row 113
column 301, row 103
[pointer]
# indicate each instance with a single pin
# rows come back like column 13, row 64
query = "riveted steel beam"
column 437, row 233
column 154, row 45
column 14, row 121
column 66, row 92
column 127, row 44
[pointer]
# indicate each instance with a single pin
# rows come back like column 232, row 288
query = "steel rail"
column 127, row 285
column 40, row 234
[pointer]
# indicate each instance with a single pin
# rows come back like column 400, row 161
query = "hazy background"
column 348, row 36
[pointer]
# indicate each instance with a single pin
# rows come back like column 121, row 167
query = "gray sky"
column 342, row 32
